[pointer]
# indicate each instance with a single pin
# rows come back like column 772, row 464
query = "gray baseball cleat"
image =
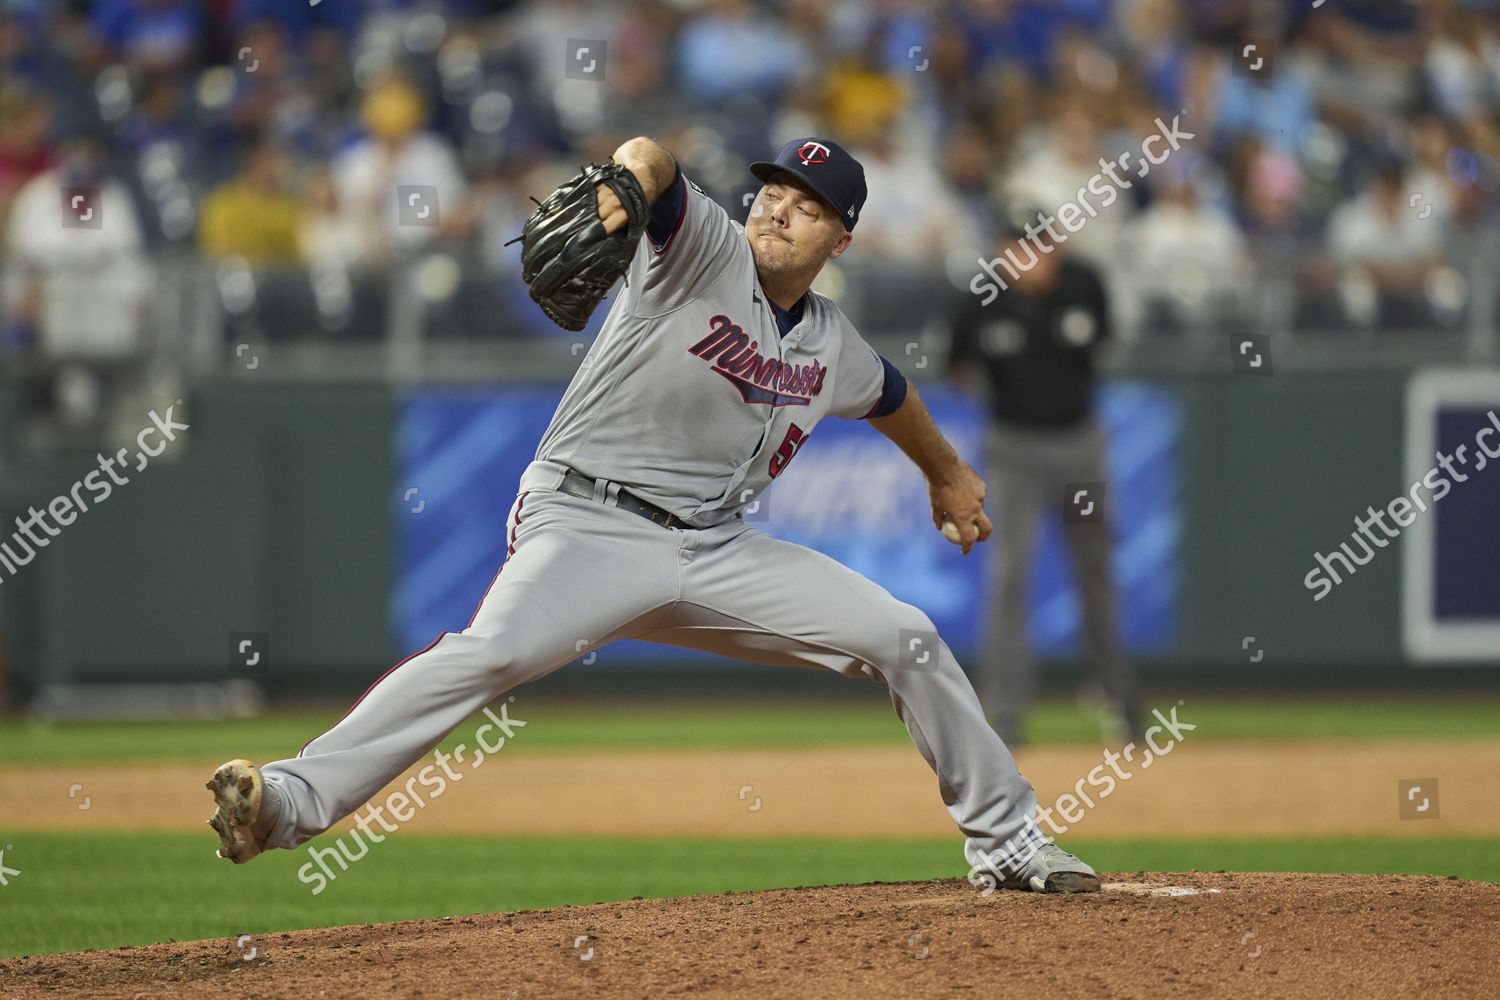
column 1052, row 869
column 245, row 810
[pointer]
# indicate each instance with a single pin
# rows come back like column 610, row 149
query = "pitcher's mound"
column 1146, row 935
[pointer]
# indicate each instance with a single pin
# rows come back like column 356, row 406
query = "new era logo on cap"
column 824, row 166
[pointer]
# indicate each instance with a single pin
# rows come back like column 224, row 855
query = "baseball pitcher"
column 713, row 367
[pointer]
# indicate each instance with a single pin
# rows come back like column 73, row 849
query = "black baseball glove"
column 567, row 259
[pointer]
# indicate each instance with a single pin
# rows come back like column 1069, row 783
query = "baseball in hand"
column 950, row 531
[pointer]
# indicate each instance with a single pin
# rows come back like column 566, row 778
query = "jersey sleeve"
column 666, row 213
column 893, row 393
column 687, row 244
column 859, row 383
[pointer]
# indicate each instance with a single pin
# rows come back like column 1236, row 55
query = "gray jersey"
column 690, row 398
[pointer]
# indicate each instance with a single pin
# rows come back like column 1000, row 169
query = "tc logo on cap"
column 813, row 152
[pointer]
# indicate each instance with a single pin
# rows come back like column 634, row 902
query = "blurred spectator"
column 1434, row 145
column 860, row 99
column 25, row 141
column 1384, row 245
column 1012, row 117
column 1026, row 31
column 1463, row 62
column 264, row 77
column 966, row 162
column 540, row 32
column 160, row 115
column 77, row 284
column 1273, row 196
column 910, row 217
column 362, row 221
column 301, row 22
column 21, row 59
column 1366, row 58
column 640, row 97
column 1475, row 233
column 1062, row 156
column 1278, row 110
column 149, row 34
column 1154, row 32
column 1188, row 259
column 735, row 50
column 947, row 82
column 301, row 97
column 1278, row 231
column 252, row 216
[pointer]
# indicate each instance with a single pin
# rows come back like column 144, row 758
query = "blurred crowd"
column 1344, row 153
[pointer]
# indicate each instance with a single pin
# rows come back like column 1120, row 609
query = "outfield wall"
column 288, row 513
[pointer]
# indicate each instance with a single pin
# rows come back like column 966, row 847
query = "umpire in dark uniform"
column 1032, row 347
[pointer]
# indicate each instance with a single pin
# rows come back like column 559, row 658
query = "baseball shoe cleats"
column 1052, row 869
column 246, row 807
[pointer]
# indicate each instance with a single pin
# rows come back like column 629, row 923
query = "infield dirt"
column 1212, row 789
column 1155, row 935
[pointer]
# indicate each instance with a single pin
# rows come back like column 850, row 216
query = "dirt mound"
column 1145, row 935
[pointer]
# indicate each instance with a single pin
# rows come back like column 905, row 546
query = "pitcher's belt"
column 575, row 484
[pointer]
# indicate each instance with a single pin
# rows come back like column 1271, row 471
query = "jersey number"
column 794, row 440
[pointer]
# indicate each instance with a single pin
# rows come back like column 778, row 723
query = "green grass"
column 97, row 890
column 555, row 724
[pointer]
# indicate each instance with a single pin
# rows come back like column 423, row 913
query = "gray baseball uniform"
column 693, row 400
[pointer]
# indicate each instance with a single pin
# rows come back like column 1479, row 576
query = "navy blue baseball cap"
column 827, row 168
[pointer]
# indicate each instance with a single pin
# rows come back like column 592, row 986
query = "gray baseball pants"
column 1029, row 470
column 580, row 574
